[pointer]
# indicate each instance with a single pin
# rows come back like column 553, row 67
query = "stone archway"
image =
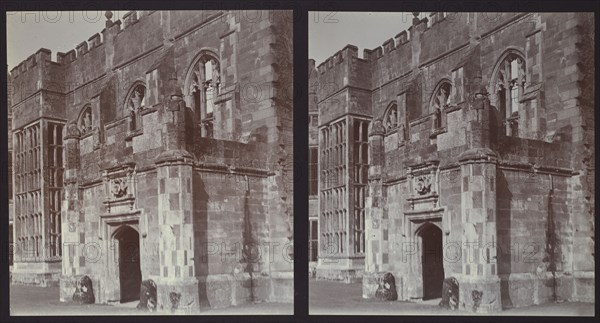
column 130, row 276
column 432, row 260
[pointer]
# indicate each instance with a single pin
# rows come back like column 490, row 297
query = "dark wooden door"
column 433, row 264
column 129, row 265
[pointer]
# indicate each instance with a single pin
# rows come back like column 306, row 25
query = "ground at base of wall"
column 336, row 298
column 34, row 300
column 347, row 276
column 35, row 279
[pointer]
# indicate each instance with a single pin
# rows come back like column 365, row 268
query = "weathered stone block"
column 480, row 295
column 84, row 291
column 583, row 286
column 386, row 290
column 147, row 296
column 218, row 289
column 450, row 294
column 370, row 283
column 177, row 296
column 281, row 286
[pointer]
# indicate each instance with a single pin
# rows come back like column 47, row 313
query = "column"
column 177, row 286
column 374, row 213
column 479, row 285
column 72, row 223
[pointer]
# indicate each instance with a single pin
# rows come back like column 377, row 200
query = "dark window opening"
column 205, row 86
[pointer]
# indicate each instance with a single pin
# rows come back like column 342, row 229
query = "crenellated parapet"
column 41, row 83
column 337, row 58
column 342, row 69
column 31, row 62
column 85, row 47
column 37, row 89
column 387, row 47
column 343, row 85
column 390, row 45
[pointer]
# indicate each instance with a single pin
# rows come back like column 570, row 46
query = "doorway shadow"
column 432, row 261
column 130, row 275
column 503, row 221
column 200, row 225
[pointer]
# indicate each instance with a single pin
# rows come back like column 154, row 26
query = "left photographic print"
column 150, row 162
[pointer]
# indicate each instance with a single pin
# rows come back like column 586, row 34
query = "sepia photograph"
column 150, row 162
column 451, row 163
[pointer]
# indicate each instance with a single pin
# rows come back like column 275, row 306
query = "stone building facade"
column 464, row 148
column 11, row 210
column 313, row 170
column 159, row 149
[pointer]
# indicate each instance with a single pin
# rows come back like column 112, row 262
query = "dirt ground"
column 346, row 299
column 31, row 300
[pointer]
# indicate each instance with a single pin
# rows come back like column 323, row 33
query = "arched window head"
column 390, row 120
column 84, row 124
column 441, row 96
column 134, row 104
column 203, row 85
column 136, row 99
column 509, row 82
column 440, row 100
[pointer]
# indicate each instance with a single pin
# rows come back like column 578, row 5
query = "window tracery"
column 204, row 87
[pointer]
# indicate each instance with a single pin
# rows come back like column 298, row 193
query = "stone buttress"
column 479, row 284
column 177, row 286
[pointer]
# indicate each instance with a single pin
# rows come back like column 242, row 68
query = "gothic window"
column 439, row 101
column 28, row 151
column 85, row 120
column 55, row 184
column 332, row 185
column 134, row 104
column 312, row 171
column 441, row 97
column 313, row 241
column 314, row 120
column 509, row 81
column 204, row 86
column 391, row 118
column 437, row 119
column 361, row 172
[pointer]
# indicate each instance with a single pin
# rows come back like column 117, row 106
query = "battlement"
column 425, row 41
column 436, row 17
column 422, row 30
column 130, row 19
column 345, row 53
column 43, row 54
column 114, row 28
column 436, row 23
column 421, row 26
column 387, row 47
column 399, row 40
column 312, row 69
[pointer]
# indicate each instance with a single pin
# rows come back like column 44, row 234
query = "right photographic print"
column 451, row 163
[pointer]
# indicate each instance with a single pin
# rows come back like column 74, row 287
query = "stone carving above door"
column 423, row 184
column 119, row 183
column 423, row 180
column 119, row 187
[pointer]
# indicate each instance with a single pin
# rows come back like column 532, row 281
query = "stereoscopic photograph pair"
column 153, row 164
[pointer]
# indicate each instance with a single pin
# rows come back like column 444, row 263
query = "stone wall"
column 231, row 194
column 540, row 188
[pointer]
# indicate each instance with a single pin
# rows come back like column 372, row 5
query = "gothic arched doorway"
column 130, row 276
column 432, row 261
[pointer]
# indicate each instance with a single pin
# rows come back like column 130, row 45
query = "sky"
column 59, row 31
column 329, row 32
